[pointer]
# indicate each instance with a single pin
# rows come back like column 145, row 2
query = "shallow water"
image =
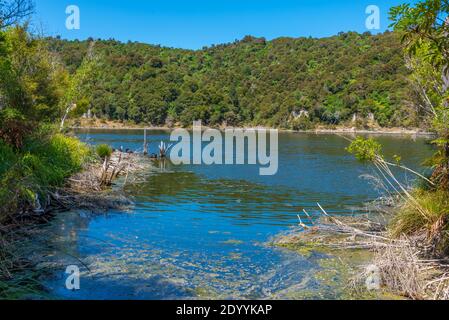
column 202, row 231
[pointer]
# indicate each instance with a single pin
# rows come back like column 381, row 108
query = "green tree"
column 425, row 30
column 79, row 87
column 30, row 88
column 249, row 82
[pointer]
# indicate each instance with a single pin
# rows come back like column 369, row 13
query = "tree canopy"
column 250, row 82
column 425, row 34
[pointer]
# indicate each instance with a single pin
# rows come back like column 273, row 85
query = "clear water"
column 202, row 231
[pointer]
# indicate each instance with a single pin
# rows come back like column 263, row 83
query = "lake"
column 203, row 231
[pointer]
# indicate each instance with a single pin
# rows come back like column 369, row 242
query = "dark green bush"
column 7, row 157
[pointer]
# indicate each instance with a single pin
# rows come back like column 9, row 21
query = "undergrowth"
column 27, row 174
column 430, row 218
column 44, row 162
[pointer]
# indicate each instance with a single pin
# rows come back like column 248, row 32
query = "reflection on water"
column 200, row 232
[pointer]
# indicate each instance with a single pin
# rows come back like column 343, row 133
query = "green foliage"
column 425, row 26
column 397, row 159
column 30, row 85
column 43, row 163
column 33, row 157
column 13, row 127
column 439, row 158
column 54, row 158
column 104, row 151
column 7, row 157
column 248, row 82
column 433, row 221
column 424, row 23
column 81, row 86
column 29, row 76
column 365, row 149
column 302, row 124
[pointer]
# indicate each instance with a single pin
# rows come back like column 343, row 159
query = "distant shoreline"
column 382, row 131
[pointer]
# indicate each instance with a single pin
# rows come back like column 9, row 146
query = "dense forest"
column 287, row 83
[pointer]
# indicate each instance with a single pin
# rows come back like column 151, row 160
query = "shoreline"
column 382, row 131
column 95, row 189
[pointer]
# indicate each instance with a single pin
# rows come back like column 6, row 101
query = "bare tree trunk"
column 145, row 143
column 64, row 118
column 445, row 75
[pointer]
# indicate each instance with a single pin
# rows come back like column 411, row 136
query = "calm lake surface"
column 202, row 231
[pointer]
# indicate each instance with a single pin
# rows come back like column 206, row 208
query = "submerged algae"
column 341, row 270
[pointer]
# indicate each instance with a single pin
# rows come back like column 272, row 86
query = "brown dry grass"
column 405, row 266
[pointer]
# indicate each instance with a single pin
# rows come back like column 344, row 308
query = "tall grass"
column 51, row 161
column 44, row 162
column 434, row 223
column 104, row 151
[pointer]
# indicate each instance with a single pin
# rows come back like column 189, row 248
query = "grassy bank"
column 27, row 177
column 49, row 173
column 43, row 163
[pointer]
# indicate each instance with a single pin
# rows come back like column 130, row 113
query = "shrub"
column 432, row 221
column 365, row 149
column 302, row 124
column 7, row 157
column 51, row 159
column 104, row 151
column 44, row 162
column 13, row 127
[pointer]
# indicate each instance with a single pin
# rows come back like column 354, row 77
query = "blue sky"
column 193, row 24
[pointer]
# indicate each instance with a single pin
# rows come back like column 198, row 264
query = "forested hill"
column 248, row 82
